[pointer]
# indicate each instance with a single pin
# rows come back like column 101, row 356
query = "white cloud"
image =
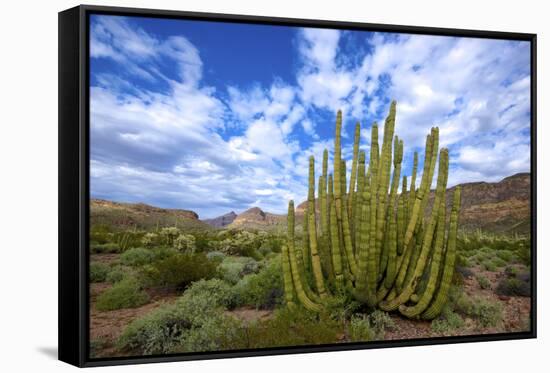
column 193, row 146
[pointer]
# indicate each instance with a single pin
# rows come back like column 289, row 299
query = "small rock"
column 504, row 298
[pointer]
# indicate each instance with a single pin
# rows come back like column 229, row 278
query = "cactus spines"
column 384, row 248
column 448, row 267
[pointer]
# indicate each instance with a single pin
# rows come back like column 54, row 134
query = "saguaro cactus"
column 374, row 242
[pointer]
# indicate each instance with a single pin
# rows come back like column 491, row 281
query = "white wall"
column 28, row 186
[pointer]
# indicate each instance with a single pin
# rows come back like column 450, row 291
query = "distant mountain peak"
column 222, row 221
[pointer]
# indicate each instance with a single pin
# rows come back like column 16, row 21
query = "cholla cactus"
column 379, row 242
column 185, row 243
column 149, row 239
column 169, row 234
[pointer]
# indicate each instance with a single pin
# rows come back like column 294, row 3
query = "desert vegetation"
column 372, row 257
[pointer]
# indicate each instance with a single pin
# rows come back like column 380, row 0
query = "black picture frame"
column 74, row 194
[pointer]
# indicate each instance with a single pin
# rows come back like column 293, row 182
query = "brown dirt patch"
column 104, row 258
column 106, row 326
column 249, row 314
column 516, row 312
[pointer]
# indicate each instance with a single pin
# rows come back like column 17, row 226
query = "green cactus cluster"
column 369, row 240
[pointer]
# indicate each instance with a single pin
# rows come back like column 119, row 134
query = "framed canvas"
column 237, row 186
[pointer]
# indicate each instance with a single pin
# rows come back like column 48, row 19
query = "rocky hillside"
column 221, row 221
column 256, row 218
column 501, row 207
column 140, row 215
column 497, row 207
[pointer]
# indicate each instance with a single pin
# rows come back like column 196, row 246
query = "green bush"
column 360, row 329
column 447, row 322
column 195, row 322
column 104, row 248
column 380, row 321
column 124, row 294
column 488, row 265
column 216, row 256
column 292, row 327
column 163, row 252
column 136, row 257
column 233, row 268
column 219, row 290
column 513, row 287
column 511, row 271
column 263, row 289
column 483, row 282
column 507, row 255
column 179, row 270
column 118, row 273
column 486, row 312
column 498, row 262
column 98, row 272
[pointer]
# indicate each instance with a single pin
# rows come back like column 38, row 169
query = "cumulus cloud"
column 162, row 134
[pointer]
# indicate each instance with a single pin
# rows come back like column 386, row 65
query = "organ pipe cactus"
column 370, row 240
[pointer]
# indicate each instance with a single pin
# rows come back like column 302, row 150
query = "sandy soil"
column 516, row 311
column 107, row 326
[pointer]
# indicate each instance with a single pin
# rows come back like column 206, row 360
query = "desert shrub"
column 263, row 289
column 195, row 322
column 341, row 306
column 360, row 329
column 488, row 265
column 447, row 322
column 215, row 288
column 511, row 271
column 98, row 272
column 179, row 270
column 118, row 273
column 513, row 287
column 216, row 256
column 150, row 239
column 136, row 257
column 292, row 327
column 163, row 252
column 507, row 255
column 380, row 322
column 486, row 312
column 100, row 233
column 124, row 294
column 498, row 262
column 483, row 282
column 185, row 243
column 233, row 268
column 104, row 248
column 203, row 241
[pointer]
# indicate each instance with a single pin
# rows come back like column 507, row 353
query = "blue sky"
column 215, row 117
